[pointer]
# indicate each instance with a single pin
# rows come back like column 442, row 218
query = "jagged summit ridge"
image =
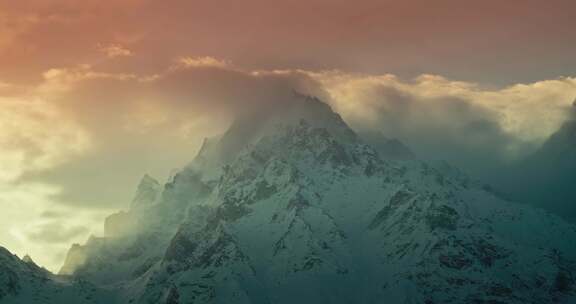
column 249, row 127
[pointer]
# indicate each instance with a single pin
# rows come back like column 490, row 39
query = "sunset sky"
column 95, row 94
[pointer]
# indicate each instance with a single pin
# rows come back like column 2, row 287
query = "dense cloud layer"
column 478, row 128
column 77, row 142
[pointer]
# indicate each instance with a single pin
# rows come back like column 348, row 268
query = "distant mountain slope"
column 23, row 282
column 547, row 178
column 391, row 149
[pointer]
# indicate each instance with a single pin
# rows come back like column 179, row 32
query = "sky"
column 95, row 94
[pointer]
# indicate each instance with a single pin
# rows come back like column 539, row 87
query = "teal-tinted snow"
column 295, row 208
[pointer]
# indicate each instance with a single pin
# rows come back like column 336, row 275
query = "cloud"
column 119, row 116
column 104, row 117
column 32, row 222
column 459, row 39
column 54, row 233
column 141, row 124
column 444, row 118
column 35, row 136
column 12, row 26
column 75, row 145
column 114, row 50
column 203, row 62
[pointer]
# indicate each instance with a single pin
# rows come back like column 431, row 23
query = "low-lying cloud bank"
column 81, row 138
column 76, row 111
column 476, row 127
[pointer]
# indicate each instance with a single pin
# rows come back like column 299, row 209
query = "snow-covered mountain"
column 291, row 206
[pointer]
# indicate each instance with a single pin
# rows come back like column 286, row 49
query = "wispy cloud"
column 206, row 61
column 32, row 222
column 35, row 135
column 114, row 50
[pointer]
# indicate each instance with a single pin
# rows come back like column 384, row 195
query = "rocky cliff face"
column 296, row 208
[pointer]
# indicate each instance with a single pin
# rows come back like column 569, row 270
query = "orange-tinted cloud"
column 114, row 50
column 489, row 41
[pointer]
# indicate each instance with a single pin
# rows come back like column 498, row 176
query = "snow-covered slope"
column 291, row 206
column 23, row 282
column 387, row 148
column 302, row 216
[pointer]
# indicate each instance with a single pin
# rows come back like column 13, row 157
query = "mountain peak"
column 28, row 259
column 147, row 179
column 301, row 107
column 147, row 192
column 249, row 127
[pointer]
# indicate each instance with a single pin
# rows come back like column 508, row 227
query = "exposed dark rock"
column 563, row 282
column 264, row 190
column 442, row 217
column 180, row 248
column 399, row 198
column 458, row 261
column 173, row 297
